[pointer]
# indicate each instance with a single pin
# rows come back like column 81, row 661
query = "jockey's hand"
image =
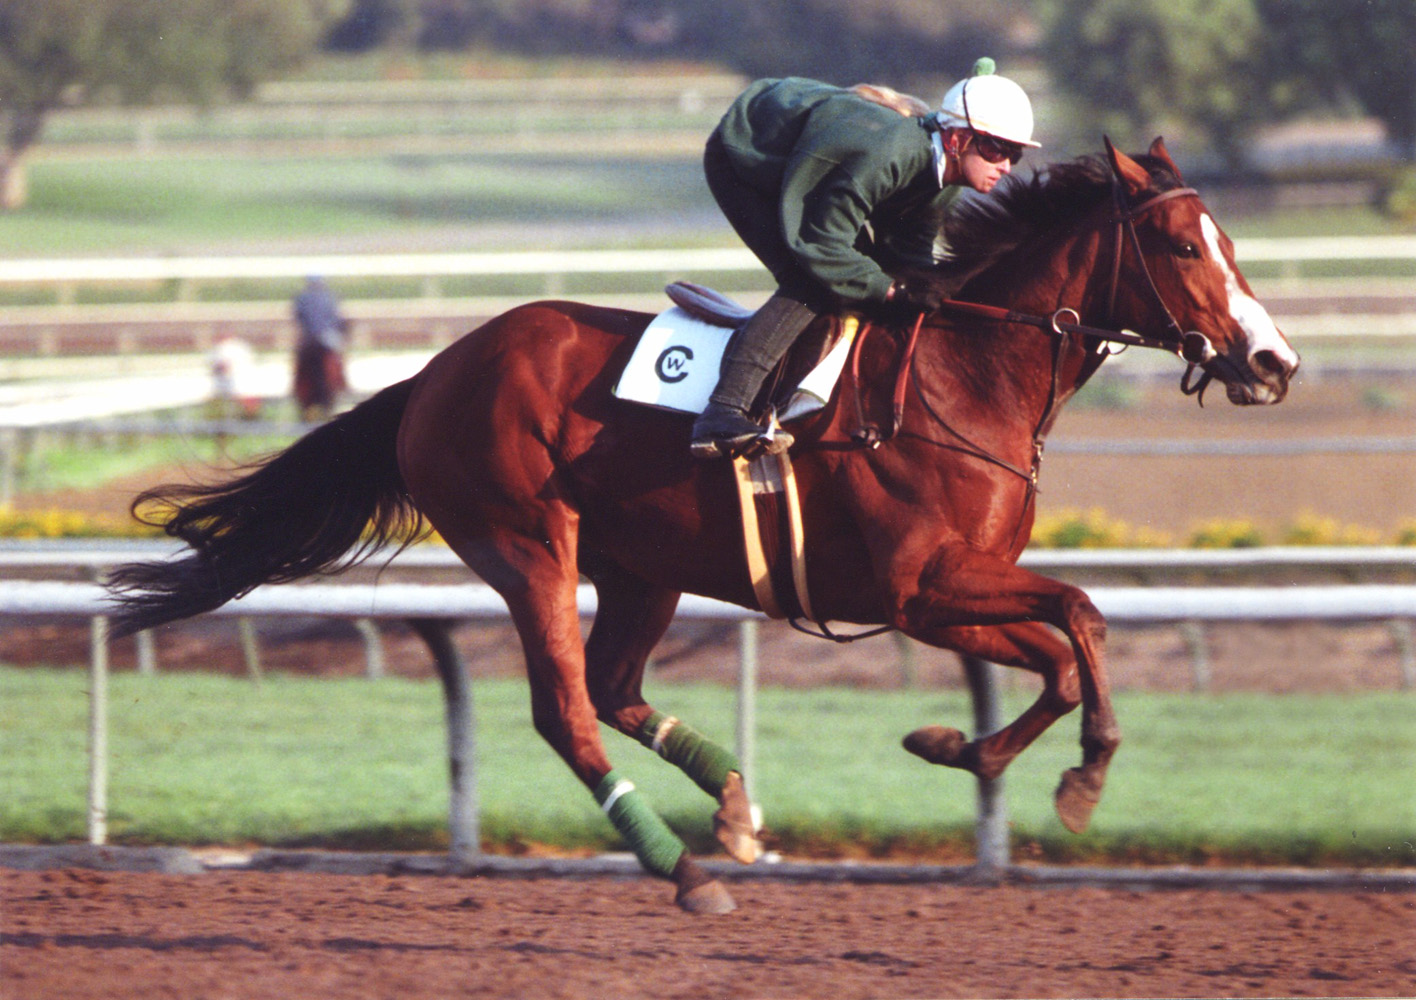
column 913, row 297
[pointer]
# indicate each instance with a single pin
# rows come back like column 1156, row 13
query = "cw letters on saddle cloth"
column 675, row 366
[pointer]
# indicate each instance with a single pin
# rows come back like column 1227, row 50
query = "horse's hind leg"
column 1026, row 645
column 535, row 572
column 632, row 617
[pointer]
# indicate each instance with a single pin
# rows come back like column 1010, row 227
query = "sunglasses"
column 995, row 150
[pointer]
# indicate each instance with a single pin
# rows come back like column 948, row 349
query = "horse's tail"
column 331, row 499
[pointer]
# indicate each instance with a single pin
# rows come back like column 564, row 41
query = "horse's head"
column 1189, row 289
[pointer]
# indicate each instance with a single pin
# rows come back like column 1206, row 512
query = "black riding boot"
column 724, row 427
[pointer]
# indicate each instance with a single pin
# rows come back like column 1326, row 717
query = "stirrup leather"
column 772, row 480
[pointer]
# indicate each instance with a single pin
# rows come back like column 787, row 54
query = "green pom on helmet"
column 984, row 66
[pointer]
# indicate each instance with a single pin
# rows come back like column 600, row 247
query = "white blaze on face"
column 1253, row 319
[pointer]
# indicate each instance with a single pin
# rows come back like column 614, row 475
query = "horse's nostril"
column 1271, row 363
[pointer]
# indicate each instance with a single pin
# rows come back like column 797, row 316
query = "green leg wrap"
column 654, row 844
column 696, row 755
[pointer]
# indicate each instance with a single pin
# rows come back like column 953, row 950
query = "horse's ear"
column 1162, row 154
column 1132, row 174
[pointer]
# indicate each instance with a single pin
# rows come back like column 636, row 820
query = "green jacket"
column 837, row 162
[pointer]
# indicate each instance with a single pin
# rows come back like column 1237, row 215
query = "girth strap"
column 773, row 478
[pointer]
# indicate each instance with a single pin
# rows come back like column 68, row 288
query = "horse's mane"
column 980, row 230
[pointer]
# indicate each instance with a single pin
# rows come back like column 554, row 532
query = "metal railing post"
column 1401, row 634
column 98, row 731
column 250, row 648
column 1193, row 632
column 146, row 647
column 463, row 822
column 747, row 704
column 374, row 666
column 991, row 852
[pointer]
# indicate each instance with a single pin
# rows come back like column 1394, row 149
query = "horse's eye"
column 1187, row 250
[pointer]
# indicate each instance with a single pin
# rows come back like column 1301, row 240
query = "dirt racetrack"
column 85, row 934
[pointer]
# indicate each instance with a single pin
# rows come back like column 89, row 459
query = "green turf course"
column 223, row 202
column 251, row 204
column 200, row 759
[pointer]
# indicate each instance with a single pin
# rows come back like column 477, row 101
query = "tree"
column 1133, row 64
column 1332, row 50
column 841, row 41
column 850, row 41
column 58, row 52
column 372, row 23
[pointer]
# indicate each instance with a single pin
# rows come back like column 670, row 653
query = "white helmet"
column 987, row 103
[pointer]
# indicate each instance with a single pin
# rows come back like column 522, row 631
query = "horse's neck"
column 1072, row 275
column 1022, row 369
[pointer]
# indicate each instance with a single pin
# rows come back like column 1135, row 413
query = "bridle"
column 1064, row 324
column 1192, row 346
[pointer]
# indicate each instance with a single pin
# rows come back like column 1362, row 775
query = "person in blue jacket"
column 834, row 189
column 319, row 351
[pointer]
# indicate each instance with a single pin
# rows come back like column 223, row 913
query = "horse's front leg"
column 957, row 588
column 1028, row 646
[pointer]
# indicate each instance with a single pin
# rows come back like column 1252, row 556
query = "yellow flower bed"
column 54, row 523
column 1095, row 529
column 1092, row 529
column 1057, row 529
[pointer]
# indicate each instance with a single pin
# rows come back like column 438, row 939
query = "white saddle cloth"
column 675, row 367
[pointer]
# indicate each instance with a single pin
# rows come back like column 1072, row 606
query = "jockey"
column 829, row 187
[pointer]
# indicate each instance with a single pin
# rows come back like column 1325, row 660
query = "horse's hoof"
column 734, row 824
column 707, row 897
column 941, row 745
column 699, row 892
column 1077, row 795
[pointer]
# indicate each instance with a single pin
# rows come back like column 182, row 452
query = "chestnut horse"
column 512, row 446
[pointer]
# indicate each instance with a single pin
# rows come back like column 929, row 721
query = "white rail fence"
column 187, row 274
column 432, row 609
column 58, row 270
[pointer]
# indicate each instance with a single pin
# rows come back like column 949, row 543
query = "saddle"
column 707, row 304
column 785, row 384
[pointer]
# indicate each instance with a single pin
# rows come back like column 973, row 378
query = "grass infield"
column 638, row 194
column 199, row 759
column 251, row 204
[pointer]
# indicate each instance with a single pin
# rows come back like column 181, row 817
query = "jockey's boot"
column 724, row 428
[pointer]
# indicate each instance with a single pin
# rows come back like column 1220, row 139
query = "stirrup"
column 764, row 442
column 736, row 434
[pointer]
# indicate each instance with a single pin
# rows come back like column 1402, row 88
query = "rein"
column 1125, row 226
column 1194, row 348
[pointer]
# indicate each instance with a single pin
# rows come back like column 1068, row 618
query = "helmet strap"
column 964, row 93
column 953, row 141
